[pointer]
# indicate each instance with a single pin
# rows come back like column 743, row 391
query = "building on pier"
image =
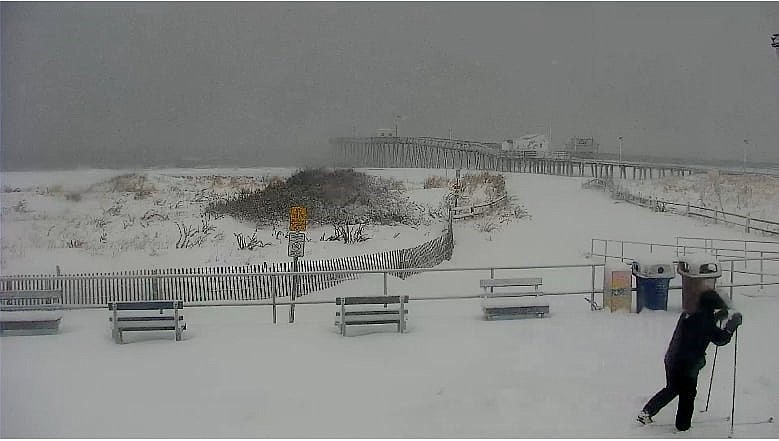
column 528, row 146
column 582, row 147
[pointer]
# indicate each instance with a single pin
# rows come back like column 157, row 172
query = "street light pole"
column 775, row 43
column 620, row 149
column 744, row 166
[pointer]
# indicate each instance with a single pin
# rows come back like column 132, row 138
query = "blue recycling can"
column 652, row 293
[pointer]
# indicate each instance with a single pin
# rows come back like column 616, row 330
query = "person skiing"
column 686, row 356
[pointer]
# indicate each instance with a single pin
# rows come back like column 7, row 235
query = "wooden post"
column 294, row 290
column 115, row 325
column 592, row 293
column 343, row 316
column 731, row 280
column 176, row 320
column 401, row 325
column 273, row 298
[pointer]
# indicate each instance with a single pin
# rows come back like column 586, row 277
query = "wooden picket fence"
column 463, row 212
column 225, row 283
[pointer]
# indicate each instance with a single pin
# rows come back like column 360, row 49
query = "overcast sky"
column 142, row 84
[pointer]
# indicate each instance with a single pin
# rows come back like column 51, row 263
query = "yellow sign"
column 297, row 219
column 617, row 292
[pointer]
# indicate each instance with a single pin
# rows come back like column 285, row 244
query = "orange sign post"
column 297, row 219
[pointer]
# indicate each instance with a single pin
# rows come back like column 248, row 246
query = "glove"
column 733, row 323
column 721, row 314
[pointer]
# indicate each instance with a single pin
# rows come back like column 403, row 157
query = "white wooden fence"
column 226, row 283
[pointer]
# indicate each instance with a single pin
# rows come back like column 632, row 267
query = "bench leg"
column 178, row 335
column 120, row 338
column 343, row 320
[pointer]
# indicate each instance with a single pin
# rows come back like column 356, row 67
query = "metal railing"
column 682, row 248
column 53, row 280
column 728, row 269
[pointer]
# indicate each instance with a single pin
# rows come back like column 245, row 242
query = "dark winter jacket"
column 686, row 353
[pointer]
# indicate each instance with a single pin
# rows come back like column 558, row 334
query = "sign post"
column 457, row 187
column 297, row 239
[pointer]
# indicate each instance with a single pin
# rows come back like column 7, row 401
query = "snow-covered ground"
column 754, row 195
column 104, row 220
column 575, row 373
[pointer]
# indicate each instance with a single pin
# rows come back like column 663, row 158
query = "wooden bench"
column 511, row 305
column 366, row 311
column 39, row 311
column 153, row 315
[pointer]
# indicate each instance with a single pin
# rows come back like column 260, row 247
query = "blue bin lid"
column 654, row 269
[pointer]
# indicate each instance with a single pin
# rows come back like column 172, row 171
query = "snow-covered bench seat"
column 511, row 305
column 37, row 311
column 152, row 315
column 378, row 310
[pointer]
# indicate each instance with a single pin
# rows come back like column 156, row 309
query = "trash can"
column 699, row 273
column 652, row 280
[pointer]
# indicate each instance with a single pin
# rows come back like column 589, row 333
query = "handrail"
column 728, row 240
column 654, row 244
column 300, row 273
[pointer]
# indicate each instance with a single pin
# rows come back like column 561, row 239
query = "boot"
column 644, row 417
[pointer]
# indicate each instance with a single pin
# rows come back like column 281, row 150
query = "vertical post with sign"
column 458, row 187
column 297, row 240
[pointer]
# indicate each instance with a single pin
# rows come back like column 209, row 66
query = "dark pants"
column 683, row 384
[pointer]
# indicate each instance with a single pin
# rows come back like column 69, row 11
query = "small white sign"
column 297, row 241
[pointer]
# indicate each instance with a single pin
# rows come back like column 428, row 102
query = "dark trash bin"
column 699, row 273
column 653, row 277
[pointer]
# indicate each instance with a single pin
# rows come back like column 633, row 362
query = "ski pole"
column 711, row 380
column 735, row 360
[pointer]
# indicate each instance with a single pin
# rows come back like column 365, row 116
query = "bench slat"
column 32, row 294
column 147, row 325
column 358, row 317
column 518, row 309
column 149, row 305
column 370, row 322
column 41, row 307
column 52, row 325
column 374, row 300
column 150, row 328
column 389, row 312
column 494, row 295
column 145, row 319
column 522, row 281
